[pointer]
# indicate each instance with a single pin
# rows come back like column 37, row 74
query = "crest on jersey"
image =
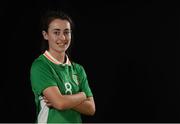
column 75, row 78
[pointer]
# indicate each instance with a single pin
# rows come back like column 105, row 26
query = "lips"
column 62, row 44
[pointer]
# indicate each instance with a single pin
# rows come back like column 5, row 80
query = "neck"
column 57, row 55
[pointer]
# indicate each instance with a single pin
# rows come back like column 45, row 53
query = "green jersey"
column 70, row 78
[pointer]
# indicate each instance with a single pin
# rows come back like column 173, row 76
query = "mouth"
column 62, row 44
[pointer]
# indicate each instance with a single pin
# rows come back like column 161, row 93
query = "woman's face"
column 58, row 35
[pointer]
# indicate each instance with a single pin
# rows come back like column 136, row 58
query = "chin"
column 59, row 51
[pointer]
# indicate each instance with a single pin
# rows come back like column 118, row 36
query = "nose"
column 61, row 36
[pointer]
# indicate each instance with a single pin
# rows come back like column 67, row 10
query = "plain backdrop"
column 129, row 49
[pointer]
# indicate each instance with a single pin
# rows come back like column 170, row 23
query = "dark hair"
column 47, row 18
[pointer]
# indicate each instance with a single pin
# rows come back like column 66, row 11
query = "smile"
column 61, row 44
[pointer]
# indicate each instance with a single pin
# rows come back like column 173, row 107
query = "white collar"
column 55, row 61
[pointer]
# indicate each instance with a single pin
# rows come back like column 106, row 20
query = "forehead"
column 59, row 24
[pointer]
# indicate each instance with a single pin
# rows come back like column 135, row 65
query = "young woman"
column 60, row 86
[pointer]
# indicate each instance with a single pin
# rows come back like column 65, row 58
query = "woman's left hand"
column 47, row 102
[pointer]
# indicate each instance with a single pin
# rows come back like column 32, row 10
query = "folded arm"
column 61, row 102
column 87, row 107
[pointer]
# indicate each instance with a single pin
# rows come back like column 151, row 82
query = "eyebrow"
column 57, row 29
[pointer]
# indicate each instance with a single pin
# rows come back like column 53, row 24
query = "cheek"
column 69, row 38
column 52, row 38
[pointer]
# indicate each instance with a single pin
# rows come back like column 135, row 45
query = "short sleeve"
column 41, row 77
column 84, row 85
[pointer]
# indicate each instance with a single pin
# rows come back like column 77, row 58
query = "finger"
column 44, row 97
column 48, row 104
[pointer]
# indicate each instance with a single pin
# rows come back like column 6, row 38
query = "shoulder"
column 39, row 62
column 77, row 66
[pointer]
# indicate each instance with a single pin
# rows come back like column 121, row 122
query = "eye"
column 57, row 33
column 67, row 32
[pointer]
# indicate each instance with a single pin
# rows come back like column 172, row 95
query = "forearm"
column 60, row 101
column 70, row 101
column 87, row 107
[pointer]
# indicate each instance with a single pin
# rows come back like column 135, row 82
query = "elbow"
column 92, row 110
column 92, row 113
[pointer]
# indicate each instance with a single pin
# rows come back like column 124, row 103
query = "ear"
column 45, row 35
